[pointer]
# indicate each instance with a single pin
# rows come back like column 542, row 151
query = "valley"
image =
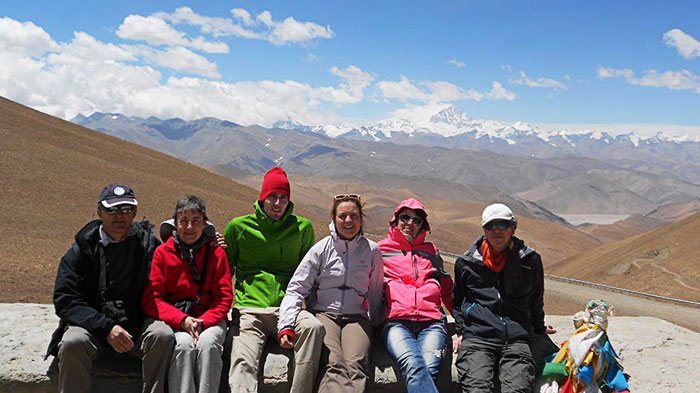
column 42, row 153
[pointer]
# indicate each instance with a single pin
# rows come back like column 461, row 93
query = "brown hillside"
column 633, row 225
column 664, row 261
column 455, row 224
column 51, row 172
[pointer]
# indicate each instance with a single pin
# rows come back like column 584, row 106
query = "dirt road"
column 565, row 299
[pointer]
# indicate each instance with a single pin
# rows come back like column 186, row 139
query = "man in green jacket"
column 264, row 250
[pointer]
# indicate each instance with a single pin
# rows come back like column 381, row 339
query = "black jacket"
column 504, row 306
column 76, row 296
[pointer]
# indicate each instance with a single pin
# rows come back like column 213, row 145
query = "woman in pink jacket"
column 415, row 287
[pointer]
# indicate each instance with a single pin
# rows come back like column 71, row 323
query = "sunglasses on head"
column 345, row 197
column 406, row 218
column 118, row 209
column 493, row 225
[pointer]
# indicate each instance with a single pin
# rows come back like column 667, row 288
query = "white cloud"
column 215, row 26
column 156, row 31
column 439, row 91
column 498, row 92
column 242, row 15
column 687, row 46
column 403, row 90
column 183, row 59
column 445, row 92
column 357, row 81
column 84, row 48
column 24, row 38
column 86, row 75
column 455, row 62
column 418, row 114
column 200, row 43
column 150, row 29
column 673, row 80
column 549, row 83
column 243, row 25
column 291, row 31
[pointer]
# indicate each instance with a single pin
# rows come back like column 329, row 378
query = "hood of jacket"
column 88, row 236
column 396, row 235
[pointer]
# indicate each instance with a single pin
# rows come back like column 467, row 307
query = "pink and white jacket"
column 415, row 282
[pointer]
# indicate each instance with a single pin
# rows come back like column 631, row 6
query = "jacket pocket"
column 482, row 321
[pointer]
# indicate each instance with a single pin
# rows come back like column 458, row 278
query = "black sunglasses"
column 493, row 225
column 406, row 218
column 345, row 197
column 118, row 209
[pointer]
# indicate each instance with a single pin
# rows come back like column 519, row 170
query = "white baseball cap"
column 497, row 211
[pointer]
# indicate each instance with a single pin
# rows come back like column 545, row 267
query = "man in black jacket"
column 97, row 296
column 498, row 297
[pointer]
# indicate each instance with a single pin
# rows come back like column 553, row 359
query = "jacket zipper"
column 415, row 292
column 345, row 279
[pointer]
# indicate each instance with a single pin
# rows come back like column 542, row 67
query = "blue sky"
column 617, row 66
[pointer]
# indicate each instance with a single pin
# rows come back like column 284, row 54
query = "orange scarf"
column 493, row 259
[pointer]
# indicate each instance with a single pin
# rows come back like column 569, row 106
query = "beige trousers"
column 256, row 325
column 196, row 367
column 346, row 348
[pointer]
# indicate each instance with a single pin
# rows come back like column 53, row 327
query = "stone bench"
column 25, row 330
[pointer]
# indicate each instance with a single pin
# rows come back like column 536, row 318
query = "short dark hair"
column 190, row 202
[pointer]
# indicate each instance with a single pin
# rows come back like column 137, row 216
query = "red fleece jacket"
column 171, row 281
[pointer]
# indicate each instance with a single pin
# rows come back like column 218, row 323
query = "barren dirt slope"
column 665, row 261
column 51, row 173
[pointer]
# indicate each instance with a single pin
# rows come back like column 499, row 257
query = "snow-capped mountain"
column 454, row 128
column 563, row 171
column 451, row 115
column 447, row 128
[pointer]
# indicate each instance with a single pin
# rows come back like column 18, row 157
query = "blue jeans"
column 418, row 348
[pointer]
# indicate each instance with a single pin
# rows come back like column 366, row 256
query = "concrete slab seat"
column 25, row 330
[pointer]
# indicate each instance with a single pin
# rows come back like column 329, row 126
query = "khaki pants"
column 347, row 343
column 256, row 325
column 79, row 348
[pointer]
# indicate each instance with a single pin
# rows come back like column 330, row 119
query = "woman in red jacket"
column 415, row 287
column 190, row 290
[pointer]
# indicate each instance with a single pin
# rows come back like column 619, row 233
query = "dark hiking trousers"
column 486, row 367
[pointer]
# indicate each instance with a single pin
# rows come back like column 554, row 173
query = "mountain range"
column 453, row 128
column 566, row 174
column 51, row 170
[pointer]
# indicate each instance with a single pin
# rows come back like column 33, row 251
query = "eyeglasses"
column 277, row 197
column 345, row 197
column 118, row 209
column 406, row 218
column 196, row 222
column 493, row 225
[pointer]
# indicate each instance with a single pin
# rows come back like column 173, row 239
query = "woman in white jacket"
column 341, row 279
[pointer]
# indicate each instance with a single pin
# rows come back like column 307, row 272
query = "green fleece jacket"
column 263, row 254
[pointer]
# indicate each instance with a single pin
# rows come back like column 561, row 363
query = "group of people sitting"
column 121, row 289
